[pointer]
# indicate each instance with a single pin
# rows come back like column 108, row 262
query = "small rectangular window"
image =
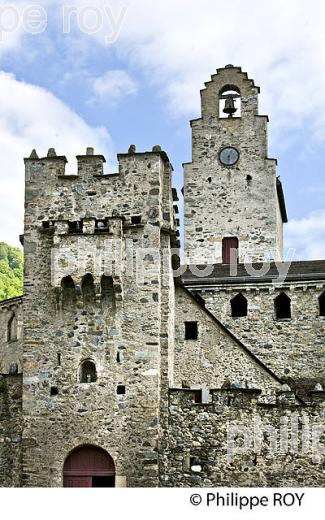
column 54, row 390
column 136, row 219
column 191, row 330
column 120, row 390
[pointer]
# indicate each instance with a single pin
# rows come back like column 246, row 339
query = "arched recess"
column 282, row 306
column 238, row 306
column 88, row 372
column 89, row 466
column 321, row 301
column 12, row 328
column 69, row 297
column 107, row 291
column 88, row 289
column 229, row 101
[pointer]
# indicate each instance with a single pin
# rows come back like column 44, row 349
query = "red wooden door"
column 89, row 466
column 77, row 482
column 230, row 250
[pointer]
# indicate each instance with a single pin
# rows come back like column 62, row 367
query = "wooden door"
column 89, row 466
column 230, row 250
column 77, row 482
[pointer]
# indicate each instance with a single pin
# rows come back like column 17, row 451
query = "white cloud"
column 113, row 86
column 178, row 45
column 307, row 236
column 31, row 117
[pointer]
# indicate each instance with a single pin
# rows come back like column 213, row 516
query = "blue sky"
column 69, row 88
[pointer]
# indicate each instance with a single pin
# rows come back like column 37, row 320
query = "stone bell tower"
column 234, row 203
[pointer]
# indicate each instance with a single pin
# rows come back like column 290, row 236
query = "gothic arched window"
column 321, row 301
column 229, row 101
column 88, row 289
column 88, row 372
column 282, row 306
column 69, row 297
column 12, row 328
column 238, row 306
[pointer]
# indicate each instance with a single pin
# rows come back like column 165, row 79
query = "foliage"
column 11, row 271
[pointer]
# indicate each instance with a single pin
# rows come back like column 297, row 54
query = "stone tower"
column 98, row 310
column 234, row 204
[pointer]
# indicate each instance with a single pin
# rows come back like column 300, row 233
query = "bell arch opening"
column 229, row 102
column 89, row 466
column 88, row 372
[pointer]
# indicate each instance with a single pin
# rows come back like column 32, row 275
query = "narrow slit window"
column 12, row 328
column 322, row 304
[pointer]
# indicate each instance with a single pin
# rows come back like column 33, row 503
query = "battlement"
column 91, row 201
column 89, row 164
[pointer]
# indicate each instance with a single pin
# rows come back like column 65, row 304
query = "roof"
column 281, row 200
column 249, row 273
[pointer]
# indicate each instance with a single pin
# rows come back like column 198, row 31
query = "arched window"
column 69, row 297
column 88, row 372
column 230, row 250
column 107, row 291
column 282, row 305
column 238, row 306
column 88, row 289
column 229, row 101
column 12, row 328
column 321, row 301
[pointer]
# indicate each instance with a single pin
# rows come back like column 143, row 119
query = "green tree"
column 11, row 271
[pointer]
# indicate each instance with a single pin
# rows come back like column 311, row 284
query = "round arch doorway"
column 89, row 466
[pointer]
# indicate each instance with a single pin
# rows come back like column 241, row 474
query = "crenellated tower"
column 98, row 313
column 234, row 203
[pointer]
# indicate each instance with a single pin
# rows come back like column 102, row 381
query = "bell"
column 230, row 108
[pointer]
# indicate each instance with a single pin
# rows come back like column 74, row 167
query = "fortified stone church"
column 121, row 367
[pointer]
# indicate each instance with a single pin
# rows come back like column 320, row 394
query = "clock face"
column 229, row 156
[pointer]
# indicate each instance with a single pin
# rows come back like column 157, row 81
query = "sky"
column 110, row 73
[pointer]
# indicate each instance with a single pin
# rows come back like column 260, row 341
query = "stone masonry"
column 116, row 347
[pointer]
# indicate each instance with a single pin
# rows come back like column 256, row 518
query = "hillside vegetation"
column 11, row 271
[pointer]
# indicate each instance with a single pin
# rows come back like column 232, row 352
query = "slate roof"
column 242, row 273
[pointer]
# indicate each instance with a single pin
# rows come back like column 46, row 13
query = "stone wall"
column 213, row 444
column 10, row 430
column 293, row 348
column 128, row 341
column 215, row 358
column 231, row 201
